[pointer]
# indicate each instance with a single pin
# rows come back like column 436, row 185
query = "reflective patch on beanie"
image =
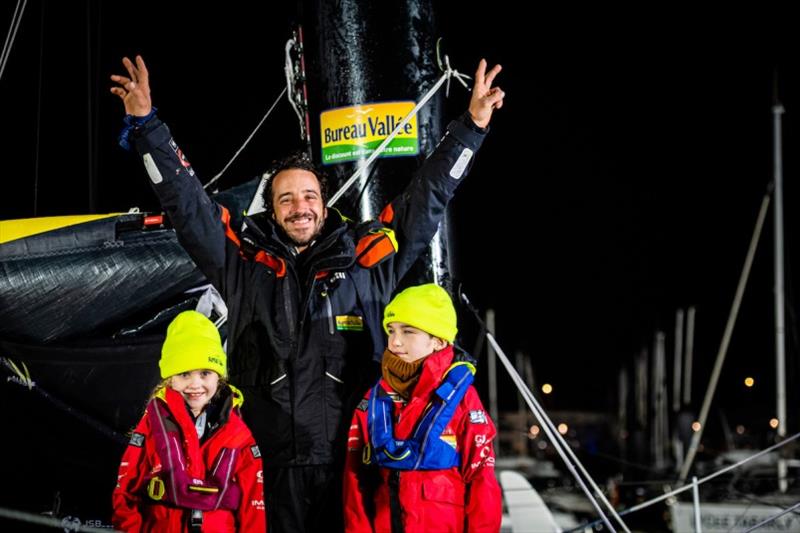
column 477, row 417
column 255, row 451
column 461, row 164
column 137, row 439
column 152, row 169
column 349, row 323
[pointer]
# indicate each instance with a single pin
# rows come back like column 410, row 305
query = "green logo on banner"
column 351, row 133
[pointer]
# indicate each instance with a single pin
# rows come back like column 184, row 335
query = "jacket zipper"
column 395, row 506
column 287, row 307
column 328, row 310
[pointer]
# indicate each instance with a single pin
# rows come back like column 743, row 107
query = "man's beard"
column 318, row 224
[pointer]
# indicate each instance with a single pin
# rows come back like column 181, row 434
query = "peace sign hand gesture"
column 485, row 98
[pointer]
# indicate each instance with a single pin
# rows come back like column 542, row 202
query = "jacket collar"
column 227, row 401
column 334, row 248
column 433, row 370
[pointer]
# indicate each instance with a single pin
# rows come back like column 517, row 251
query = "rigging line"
column 89, row 96
column 10, row 31
column 700, row 481
column 379, row 150
column 760, row 501
column 31, row 385
column 38, row 115
column 772, row 518
column 219, row 175
column 631, row 464
column 291, row 82
column 30, row 518
column 10, row 43
column 735, row 522
column 549, row 428
column 557, row 440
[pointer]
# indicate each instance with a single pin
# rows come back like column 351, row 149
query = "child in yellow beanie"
column 191, row 464
column 420, row 455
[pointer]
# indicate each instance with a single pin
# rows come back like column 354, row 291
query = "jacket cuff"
column 466, row 131
column 150, row 135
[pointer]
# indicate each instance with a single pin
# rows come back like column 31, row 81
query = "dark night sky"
column 621, row 180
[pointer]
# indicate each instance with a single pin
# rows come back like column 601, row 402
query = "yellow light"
column 563, row 428
column 773, row 423
column 740, row 429
column 695, row 426
column 534, row 430
column 547, row 388
column 749, row 382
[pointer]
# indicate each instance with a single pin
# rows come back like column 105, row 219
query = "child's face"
column 197, row 387
column 410, row 343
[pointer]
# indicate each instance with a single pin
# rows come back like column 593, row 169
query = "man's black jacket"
column 304, row 332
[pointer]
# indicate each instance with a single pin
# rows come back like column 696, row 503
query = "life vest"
column 172, row 484
column 424, row 450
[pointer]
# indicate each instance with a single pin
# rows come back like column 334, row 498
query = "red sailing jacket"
column 135, row 508
column 465, row 498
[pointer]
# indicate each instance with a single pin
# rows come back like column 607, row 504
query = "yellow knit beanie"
column 427, row 307
column 192, row 343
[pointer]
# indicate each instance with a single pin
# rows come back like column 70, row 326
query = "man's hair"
column 299, row 160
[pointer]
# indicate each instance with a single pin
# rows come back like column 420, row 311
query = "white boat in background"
column 526, row 511
column 731, row 518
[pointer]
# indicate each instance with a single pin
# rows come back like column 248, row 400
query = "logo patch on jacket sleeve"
column 255, row 451
column 137, row 439
column 461, row 164
column 477, row 417
column 363, row 405
column 349, row 323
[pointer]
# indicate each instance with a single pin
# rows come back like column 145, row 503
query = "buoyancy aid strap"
column 423, row 450
column 446, row 390
column 174, row 484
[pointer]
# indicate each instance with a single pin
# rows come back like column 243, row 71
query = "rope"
column 23, row 377
column 444, row 66
column 447, row 74
column 709, row 477
column 549, row 428
column 558, row 441
column 64, row 524
column 291, row 81
column 219, row 175
column 12, row 35
column 772, row 518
